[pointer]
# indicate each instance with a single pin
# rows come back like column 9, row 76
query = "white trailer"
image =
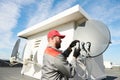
column 67, row 22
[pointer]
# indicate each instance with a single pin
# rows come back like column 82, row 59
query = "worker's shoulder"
column 52, row 51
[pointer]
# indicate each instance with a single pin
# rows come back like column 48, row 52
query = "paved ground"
column 9, row 73
column 113, row 74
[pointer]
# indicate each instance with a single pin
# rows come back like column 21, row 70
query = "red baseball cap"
column 53, row 33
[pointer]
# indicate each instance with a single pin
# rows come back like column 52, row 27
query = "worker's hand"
column 73, row 43
column 67, row 52
column 76, row 52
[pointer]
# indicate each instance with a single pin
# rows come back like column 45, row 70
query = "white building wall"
column 66, row 29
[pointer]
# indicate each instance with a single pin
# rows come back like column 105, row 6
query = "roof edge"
column 51, row 21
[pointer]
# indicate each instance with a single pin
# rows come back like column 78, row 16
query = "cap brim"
column 62, row 36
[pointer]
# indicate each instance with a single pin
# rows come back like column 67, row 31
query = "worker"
column 55, row 64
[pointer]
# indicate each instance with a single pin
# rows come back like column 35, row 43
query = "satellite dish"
column 94, row 34
column 15, row 49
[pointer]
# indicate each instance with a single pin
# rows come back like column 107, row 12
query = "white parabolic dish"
column 96, row 33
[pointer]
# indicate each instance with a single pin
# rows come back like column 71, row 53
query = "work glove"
column 67, row 52
column 76, row 52
column 73, row 43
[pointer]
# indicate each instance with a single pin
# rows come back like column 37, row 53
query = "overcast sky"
column 17, row 15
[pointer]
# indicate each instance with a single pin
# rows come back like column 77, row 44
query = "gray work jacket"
column 55, row 66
